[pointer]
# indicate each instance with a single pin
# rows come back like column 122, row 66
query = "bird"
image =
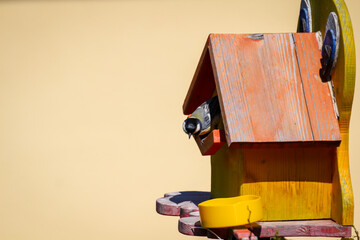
column 204, row 119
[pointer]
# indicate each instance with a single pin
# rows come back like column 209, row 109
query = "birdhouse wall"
column 294, row 183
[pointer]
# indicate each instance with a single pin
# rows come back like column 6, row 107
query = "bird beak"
column 189, row 135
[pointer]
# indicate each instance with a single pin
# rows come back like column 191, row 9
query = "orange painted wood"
column 243, row 233
column 319, row 103
column 260, row 89
column 212, row 143
column 263, row 86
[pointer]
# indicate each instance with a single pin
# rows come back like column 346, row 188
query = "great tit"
column 204, row 119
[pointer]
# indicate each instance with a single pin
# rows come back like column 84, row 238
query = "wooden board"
column 344, row 83
column 293, row 183
column 269, row 89
column 212, row 143
column 266, row 83
column 316, row 92
column 180, row 203
column 314, row 228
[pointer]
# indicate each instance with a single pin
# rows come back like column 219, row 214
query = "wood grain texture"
column 318, row 97
column 344, row 81
column 314, row 228
column 212, row 143
column 293, row 183
column 260, row 85
column 285, row 101
column 261, row 96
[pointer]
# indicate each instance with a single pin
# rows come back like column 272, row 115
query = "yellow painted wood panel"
column 294, row 183
column 292, row 200
column 344, row 83
column 226, row 173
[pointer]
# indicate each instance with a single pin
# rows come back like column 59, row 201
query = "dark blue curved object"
column 328, row 55
column 304, row 22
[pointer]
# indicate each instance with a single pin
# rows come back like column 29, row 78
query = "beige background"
column 90, row 110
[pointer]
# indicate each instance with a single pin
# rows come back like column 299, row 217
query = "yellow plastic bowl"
column 229, row 212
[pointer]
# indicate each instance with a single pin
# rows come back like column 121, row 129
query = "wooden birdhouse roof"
column 269, row 88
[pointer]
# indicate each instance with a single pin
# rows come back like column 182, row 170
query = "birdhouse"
column 279, row 156
column 280, row 132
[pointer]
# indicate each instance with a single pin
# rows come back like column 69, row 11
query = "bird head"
column 192, row 126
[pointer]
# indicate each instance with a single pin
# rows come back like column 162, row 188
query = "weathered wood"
column 343, row 78
column 314, row 228
column 180, row 203
column 261, row 89
column 191, row 226
column 212, row 143
column 248, row 92
column 319, row 103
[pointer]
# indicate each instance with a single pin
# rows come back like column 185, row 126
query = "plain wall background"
column 91, row 97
